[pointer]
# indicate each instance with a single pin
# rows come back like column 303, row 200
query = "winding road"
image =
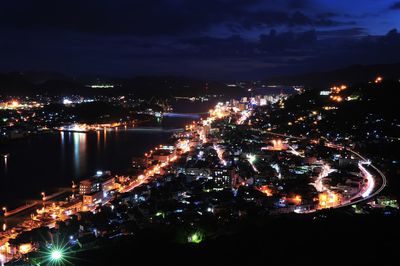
column 371, row 191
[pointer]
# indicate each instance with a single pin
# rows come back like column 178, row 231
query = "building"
column 107, row 183
column 162, row 155
column 102, row 181
column 93, row 198
column 72, row 207
column 88, row 186
column 222, row 176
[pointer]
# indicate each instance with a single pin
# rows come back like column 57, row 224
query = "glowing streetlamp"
column 56, row 255
column 43, row 196
column 4, row 210
column 196, row 238
column 251, row 158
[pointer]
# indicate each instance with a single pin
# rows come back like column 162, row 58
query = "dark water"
column 49, row 161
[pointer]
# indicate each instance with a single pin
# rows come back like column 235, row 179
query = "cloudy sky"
column 214, row 39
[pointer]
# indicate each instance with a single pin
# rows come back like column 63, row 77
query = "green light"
column 251, row 158
column 196, row 238
column 56, row 255
column 158, row 214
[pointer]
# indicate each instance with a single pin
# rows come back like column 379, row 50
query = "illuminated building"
column 161, row 155
column 101, row 181
column 25, row 248
column 222, row 176
column 93, row 198
column 88, row 186
column 107, row 183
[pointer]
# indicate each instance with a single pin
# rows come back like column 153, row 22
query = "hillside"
column 352, row 74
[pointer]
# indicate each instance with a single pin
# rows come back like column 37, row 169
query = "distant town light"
column 67, row 101
column 99, row 173
column 101, row 86
column 14, row 104
column 378, row 80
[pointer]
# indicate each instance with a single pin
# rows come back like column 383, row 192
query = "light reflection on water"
column 79, row 140
column 55, row 159
column 52, row 160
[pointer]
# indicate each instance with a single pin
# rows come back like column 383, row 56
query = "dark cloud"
column 298, row 4
column 208, row 46
column 395, row 5
column 156, row 17
column 326, row 15
column 282, row 42
column 263, row 19
column 343, row 33
column 279, row 53
column 225, row 38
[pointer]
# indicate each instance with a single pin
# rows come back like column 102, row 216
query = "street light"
column 56, row 255
column 4, row 210
column 43, row 196
column 196, row 238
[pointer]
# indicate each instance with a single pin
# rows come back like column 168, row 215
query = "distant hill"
column 143, row 86
column 26, row 83
column 352, row 74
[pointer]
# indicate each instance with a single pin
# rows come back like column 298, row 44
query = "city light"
column 56, row 255
column 370, row 183
column 297, row 199
column 196, row 238
column 337, row 98
column 277, row 145
column 251, row 158
column 228, row 161
column 266, row 190
column 378, row 80
column 67, row 101
column 14, row 104
column 337, row 89
column 328, row 200
column 25, row 248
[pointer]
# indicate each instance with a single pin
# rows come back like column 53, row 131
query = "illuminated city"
column 180, row 132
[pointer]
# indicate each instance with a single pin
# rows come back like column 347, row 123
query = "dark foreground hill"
column 351, row 74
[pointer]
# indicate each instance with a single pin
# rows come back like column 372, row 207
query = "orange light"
column 25, row 248
column 266, row 190
column 297, row 199
column 337, row 98
column 329, row 199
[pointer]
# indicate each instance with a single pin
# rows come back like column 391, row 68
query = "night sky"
column 214, row 39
